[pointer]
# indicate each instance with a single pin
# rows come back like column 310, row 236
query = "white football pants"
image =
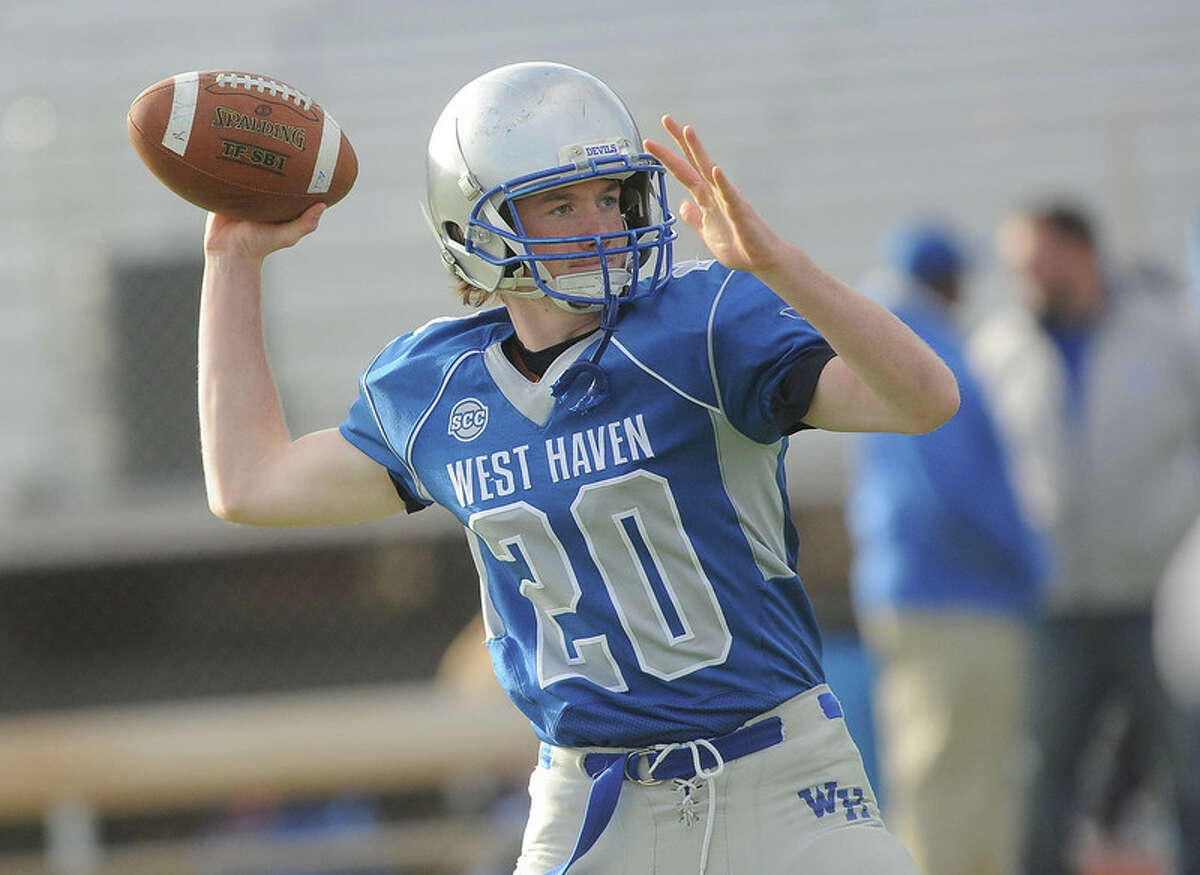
column 803, row 805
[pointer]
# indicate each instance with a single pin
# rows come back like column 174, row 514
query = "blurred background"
column 181, row 694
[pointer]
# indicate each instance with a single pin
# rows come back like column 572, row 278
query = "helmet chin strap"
column 585, row 284
column 591, row 284
column 584, row 385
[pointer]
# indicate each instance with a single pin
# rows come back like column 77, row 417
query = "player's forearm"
column 885, row 354
column 241, row 417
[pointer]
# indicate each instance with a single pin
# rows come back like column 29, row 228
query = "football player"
column 611, row 437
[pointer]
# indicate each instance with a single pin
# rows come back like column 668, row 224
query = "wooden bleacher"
column 178, row 756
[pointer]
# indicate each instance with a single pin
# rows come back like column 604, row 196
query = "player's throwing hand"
column 257, row 240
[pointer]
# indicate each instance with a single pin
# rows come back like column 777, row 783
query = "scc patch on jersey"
column 468, row 419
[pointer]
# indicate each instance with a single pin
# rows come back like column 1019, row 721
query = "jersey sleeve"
column 793, row 396
column 364, row 429
column 756, row 341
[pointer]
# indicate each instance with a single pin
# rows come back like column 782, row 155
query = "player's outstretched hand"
column 257, row 240
column 730, row 227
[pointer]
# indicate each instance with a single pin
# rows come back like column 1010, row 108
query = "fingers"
column 697, row 153
column 684, row 166
column 258, row 239
column 679, row 135
column 676, row 165
column 310, row 218
column 688, row 140
column 291, row 232
column 682, row 171
column 691, row 216
column 695, row 168
column 313, row 214
column 673, row 128
column 725, row 187
column 710, row 187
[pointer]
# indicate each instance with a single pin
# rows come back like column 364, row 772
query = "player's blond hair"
column 472, row 296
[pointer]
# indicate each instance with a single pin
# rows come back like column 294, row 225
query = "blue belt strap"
column 610, row 770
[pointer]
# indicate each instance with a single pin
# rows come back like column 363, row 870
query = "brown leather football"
column 241, row 144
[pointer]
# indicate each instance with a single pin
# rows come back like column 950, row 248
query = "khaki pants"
column 951, row 708
column 803, row 805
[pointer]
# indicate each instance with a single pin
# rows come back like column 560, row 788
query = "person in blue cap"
column 945, row 578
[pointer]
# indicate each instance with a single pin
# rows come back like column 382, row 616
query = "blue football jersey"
column 636, row 562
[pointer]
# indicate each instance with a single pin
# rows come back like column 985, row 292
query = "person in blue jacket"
column 946, row 574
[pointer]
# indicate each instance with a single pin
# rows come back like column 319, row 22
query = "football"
column 241, row 144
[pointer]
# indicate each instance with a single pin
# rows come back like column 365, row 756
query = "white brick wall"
column 836, row 116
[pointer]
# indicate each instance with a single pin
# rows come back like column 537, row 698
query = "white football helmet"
column 526, row 128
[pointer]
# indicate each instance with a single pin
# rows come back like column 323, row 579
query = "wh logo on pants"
column 825, row 801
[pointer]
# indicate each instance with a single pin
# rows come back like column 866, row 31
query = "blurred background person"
column 1176, row 621
column 945, row 580
column 1096, row 385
